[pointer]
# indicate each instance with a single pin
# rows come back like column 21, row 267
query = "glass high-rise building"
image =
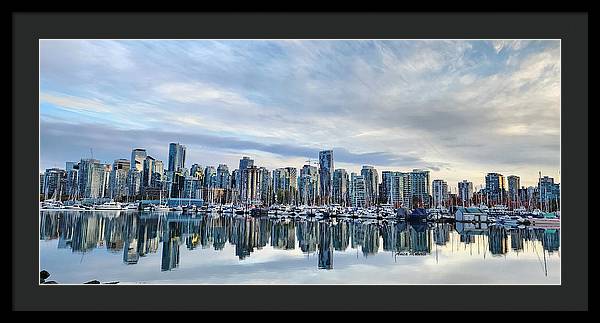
column 210, row 177
column 325, row 175
column 392, row 188
column 465, row 192
column 176, row 157
column 358, row 190
column 118, row 178
column 138, row 156
column 514, row 182
column 440, row 193
column 495, row 188
column 341, row 187
column 148, row 170
column 420, row 188
column 72, row 182
column 91, row 178
column 54, row 180
column 223, row 176
column 245, row 164
column 369, row 174
column 308, row 186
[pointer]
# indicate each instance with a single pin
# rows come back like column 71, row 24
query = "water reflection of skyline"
column 138, row 235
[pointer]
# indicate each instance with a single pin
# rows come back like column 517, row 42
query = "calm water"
column 167, row 248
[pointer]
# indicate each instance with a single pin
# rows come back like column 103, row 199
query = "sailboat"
column 178, row 207
column 161, row 206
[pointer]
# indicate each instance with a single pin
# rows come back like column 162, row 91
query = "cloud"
column 110, row 143
column 446, row 105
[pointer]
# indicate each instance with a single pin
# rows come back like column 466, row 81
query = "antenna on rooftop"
column 91, row 153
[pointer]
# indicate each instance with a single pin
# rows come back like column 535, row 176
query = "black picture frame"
column 571, row 28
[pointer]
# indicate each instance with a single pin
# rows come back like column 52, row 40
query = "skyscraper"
column 210, row 177
column 138, row 156
column 91, row 178
column 514, row 182
column 157, row 178
column 265, row 186
column 223, row 176
column 148, row 170
column 440, row 192
column 369, row 175
column 465, row 192
column 54, row 180
column 309, row 185
column 72, row 180
column 176, row 157
column 395, row 189
column 292, row 173
column 420, row 189
column 495, row 188
column 118, row 178
column 358, row 190
column 250, row 185
column 341, row 186
column 245, row 164
column 325, row 175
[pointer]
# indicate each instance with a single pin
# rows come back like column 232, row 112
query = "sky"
column 459, row 108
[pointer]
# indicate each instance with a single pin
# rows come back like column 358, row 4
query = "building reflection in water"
column 325, row 246
column 137, row 235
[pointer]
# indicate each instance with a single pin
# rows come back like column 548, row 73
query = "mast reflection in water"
column 138, row 235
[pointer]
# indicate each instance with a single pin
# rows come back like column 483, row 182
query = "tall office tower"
column 148, row 170
column 514, row 182
column 385, row 187
column 358, row 190
column 250, row 179
column 265, row 188
column 54, row 178
column 72, row 182
column 309, row 185
column 235, row 180
column 176, row 157
column 118, row 178
column 223, row 176
column 157, row 179
column 210, row 177
column 440, row 193
column 245, row 164
column 395, row 189
column 134, row 183
column 138, row 156
column 369, row 174
column 91, row 178
column 292, row 196
column 280, row 183
column 340, row 190
column 420, row 188
column 325, row 175
column 106, row 170
column 465, row 192
column 495, row 188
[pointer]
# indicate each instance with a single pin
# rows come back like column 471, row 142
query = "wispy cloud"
column 458, row 107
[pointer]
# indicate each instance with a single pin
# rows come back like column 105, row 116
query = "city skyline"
column 459, row 109
column 257, row 185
